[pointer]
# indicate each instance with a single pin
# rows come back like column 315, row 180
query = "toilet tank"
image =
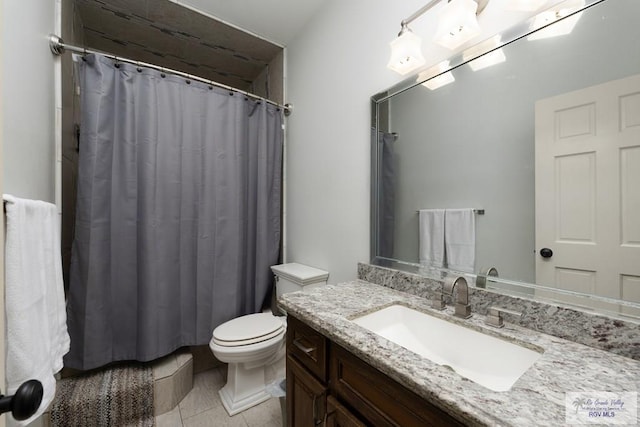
column 293, row 277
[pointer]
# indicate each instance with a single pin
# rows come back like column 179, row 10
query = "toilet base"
column 244, row 388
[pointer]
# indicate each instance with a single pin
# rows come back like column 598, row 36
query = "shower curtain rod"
column 58, row 47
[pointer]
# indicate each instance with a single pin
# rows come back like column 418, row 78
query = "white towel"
column 36, row 321
column 460, row 239
column 431, row 223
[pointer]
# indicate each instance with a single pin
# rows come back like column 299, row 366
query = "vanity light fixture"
column 483, row 59
column 458, row 24
column 406, row 51
column 558, row 13
column 526, row 5
column 433, row 83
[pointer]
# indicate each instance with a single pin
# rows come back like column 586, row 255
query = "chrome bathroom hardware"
column 462, row 307
column 494, row 318
column 437, row 301
column 475, row 211
column 485, row 273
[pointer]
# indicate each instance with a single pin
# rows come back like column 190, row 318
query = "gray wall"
column 334, row 66
column 471, row 143
column 28, row 131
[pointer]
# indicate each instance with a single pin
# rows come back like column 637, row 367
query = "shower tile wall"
column 168, row 34
column 72, row 33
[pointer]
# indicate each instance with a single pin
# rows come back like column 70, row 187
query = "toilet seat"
column 247, row 330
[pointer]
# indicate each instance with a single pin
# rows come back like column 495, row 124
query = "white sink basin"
column 491, row 362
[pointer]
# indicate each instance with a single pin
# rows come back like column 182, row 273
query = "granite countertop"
column 537, row 398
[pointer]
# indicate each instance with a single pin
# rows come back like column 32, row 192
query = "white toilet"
column 254, row 345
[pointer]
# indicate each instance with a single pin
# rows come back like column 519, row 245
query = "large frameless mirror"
column 545, row 143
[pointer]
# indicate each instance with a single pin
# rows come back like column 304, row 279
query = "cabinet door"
column 339, row 416
column 377, row 399
column 306, row 397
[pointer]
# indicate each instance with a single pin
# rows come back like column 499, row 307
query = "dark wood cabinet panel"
column 339, row 416
column 308, row 347
column 377, row 398
column 306, row 397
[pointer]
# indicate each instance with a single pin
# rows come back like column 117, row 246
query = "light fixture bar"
column 406, row 49
column 418, row 13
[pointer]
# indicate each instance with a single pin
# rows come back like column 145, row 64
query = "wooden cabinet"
column 306, row 397
column 379, row 399
column 306, row 375
column 308, row 347
column 339, row 416
column 328, row 386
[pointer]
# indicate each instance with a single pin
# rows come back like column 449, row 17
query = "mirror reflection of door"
column 588, row 190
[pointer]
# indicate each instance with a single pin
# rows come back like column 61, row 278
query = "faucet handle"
column 463, row 310
column 437, row 301
column 494, row 318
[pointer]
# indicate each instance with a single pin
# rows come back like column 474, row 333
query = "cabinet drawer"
column 378, row 399
column 307, row 347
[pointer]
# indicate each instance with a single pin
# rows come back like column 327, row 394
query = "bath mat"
column 117, row 396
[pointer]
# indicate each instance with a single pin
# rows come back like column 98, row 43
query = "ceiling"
column 170, row 35
column 278, row 21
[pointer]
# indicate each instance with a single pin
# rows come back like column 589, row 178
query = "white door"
column 588, row 190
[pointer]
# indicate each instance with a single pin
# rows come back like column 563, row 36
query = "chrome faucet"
column 462, row 307
column 494, row 318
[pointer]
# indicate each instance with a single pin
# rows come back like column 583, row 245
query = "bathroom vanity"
column 339, row 373
column 324, row 380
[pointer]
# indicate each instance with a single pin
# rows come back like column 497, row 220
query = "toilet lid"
column 248, row 329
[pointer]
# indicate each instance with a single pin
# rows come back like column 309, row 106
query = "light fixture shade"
column 457, row 23
column 484, row 59
column 406, row 53
column 561, row 28
column 433, row 83
column 441, row 80
column 526, row 5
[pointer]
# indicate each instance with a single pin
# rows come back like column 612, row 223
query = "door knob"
column 25, row 402
column 546, row 253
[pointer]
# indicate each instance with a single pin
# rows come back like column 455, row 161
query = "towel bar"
column 477, row 211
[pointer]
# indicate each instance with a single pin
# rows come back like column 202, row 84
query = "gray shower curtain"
column 178, row 212
column 387, row 194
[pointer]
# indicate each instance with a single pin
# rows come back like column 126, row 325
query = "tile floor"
column 202, row 407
